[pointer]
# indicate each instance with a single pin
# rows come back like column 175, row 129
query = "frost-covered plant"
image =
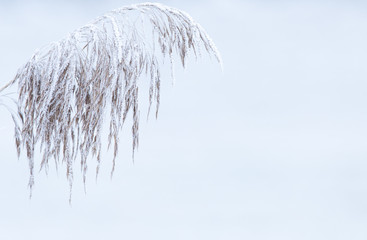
column 66, row 87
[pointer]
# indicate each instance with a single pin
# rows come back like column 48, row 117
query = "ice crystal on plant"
column 65, row 87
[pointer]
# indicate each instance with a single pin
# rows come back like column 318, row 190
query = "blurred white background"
column 275, row 147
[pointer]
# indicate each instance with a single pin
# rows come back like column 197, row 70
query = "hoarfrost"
column 65, row 87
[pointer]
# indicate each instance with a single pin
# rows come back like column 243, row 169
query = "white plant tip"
column 66, row 87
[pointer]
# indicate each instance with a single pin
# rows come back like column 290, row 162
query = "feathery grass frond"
column 65, row 87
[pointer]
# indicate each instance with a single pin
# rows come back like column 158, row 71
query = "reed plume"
column 66, row 87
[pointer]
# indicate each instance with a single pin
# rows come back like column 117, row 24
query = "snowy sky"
column 275, row 147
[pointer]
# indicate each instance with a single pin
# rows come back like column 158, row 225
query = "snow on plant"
column 65, row 87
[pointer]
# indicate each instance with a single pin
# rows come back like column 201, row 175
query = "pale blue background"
column 275, row 147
